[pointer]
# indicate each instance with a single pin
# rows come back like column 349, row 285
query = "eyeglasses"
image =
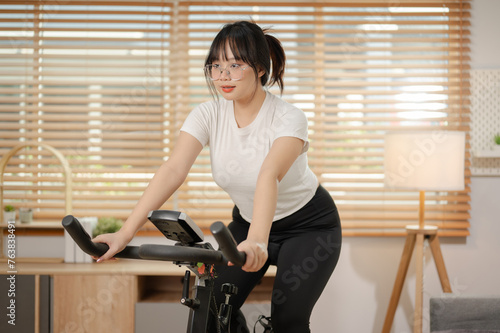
column 234, row 71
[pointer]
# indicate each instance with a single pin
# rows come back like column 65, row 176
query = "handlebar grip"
column 84, row 241
column 227, row 244
column 82, row 238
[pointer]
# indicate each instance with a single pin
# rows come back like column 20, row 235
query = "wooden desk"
column 91, row 297
column 117, row 267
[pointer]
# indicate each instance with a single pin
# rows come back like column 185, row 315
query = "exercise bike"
column 190, row 251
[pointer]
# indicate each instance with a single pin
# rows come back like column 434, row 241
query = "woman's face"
column 239, row 90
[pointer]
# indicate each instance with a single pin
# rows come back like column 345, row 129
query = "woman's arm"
column 280, row 158
column 165, row 182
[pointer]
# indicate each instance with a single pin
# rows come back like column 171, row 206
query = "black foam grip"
column 84, row 241
column 227, row 244
column 180, row 253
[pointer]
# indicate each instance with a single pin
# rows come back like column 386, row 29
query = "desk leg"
column 398, row 284
column 37, row 304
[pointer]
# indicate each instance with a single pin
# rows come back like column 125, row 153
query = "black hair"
column 253, row 45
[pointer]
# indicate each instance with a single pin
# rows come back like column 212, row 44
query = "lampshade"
column 424, row 160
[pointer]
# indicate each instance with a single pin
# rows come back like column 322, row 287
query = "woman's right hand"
column 116, row 242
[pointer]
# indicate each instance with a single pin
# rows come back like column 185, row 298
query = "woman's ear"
column 261, row 72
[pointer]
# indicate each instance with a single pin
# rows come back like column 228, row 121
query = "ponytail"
column 278, row 60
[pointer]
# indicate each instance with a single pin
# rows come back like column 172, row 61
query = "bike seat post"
column 225, row 308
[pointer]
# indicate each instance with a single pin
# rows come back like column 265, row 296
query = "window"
column 109, row 84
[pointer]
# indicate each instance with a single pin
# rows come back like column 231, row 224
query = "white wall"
column 356, row 298
column 485, row 44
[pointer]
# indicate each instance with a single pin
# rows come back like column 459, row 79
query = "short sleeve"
column 197, row 123
column 292, row 122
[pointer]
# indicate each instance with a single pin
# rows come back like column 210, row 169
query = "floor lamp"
column 422, row 161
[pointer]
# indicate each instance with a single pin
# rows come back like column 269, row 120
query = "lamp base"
column 415, row 236
column 426, row 229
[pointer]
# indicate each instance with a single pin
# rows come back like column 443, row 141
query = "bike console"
column 176, row 226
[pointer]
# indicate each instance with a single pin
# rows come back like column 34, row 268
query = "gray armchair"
column 465, row 314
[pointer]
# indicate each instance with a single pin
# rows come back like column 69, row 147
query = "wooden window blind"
column 109, row 83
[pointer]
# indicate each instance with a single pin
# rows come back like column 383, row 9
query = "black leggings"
column 305, row 247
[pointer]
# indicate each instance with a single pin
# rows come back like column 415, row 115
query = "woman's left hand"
column 256, row 255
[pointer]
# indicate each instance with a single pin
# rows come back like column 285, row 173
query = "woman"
column 258, row 146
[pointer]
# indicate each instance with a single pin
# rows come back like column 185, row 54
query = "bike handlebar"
column 162, row 252
column 84, row 241
column 227, row 243
column 181, row 254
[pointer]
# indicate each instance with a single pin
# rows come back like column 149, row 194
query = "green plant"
column 497, row 139
column 9, row 208
column 106, row 225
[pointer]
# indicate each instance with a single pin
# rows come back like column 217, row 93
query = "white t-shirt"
column 237, row 154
